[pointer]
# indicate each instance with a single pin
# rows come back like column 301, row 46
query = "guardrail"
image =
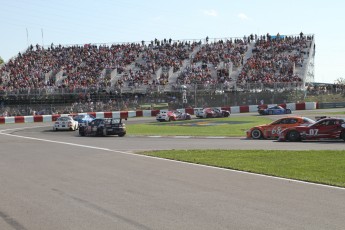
column 329, row 105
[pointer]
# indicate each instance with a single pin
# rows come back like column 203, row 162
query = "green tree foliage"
column 1, row 60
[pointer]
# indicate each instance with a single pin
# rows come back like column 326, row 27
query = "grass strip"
column 231, row 126
column 324, row 167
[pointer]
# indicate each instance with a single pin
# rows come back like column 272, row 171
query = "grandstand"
column 252, row 63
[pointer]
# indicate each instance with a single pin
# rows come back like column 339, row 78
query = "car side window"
column 325, row 123
column 292, row 121
column 284, row 121
column 332, row 122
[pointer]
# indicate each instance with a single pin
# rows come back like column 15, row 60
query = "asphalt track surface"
column 58, row 180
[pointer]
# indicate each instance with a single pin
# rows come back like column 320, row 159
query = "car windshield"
column 63, row 119
column 78, row 117
column 112, row 121
column 275, row 107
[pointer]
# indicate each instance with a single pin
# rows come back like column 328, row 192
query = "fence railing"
column 24, row 101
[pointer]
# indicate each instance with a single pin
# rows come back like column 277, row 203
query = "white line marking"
column 62, row 142
column 4, row 130
column 164, row 159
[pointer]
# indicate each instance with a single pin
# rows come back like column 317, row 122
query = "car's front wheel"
column 256, row 134
column 293, row 136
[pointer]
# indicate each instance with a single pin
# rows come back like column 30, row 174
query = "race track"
column 58, row 180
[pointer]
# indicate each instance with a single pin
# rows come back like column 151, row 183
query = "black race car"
column 103, row 127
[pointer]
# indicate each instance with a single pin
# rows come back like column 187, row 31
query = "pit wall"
column 153, row 113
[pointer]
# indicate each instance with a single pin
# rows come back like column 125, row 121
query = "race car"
column 172, row 116
column 103, row 127
column 83, row 118
column 323, row 129
column 274, row 110
column 272, row 131
column 65, row 123
column 180, row 116
column 210, row 112
column 166, row 116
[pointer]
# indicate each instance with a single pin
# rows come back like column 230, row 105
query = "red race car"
column 327, row 128
column 272, row 131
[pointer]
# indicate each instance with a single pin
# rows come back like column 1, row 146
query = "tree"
column 1, row 60
column 340, row 81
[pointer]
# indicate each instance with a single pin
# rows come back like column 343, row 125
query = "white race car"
column 65, row 123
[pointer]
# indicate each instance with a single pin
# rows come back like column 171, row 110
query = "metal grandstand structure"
column 309, row 73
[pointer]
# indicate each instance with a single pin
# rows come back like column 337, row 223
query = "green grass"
column 324, row 167
column 231, row 126
column 155, row 106
column 336, row 113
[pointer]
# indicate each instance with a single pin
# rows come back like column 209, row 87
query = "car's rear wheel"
column 122, row 134
column 342, row 135
column 270, row 112
column 256, row 134
column 288, row 111
column 293, row 136
column 99, row 132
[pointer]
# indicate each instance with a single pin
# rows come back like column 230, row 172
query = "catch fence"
column 65, row 100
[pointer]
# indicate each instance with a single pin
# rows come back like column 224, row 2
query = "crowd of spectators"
column 215, row 56
column 81, row 66
column 163, row 54
column 275, row 59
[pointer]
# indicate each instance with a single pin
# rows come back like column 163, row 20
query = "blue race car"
column 274, row 110
column 83, row 118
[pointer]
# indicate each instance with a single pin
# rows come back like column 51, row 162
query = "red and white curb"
column 152, row 113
